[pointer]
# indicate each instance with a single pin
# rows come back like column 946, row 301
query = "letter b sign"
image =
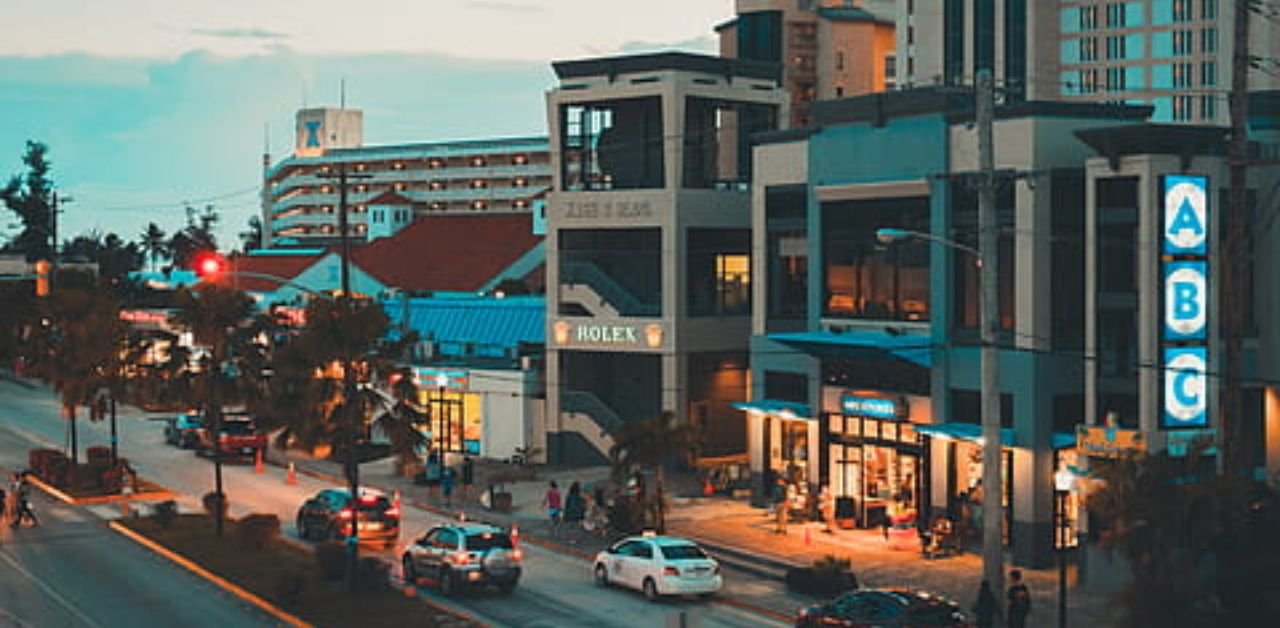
column 1186, row 300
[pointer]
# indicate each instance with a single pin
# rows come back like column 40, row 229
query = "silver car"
column 459, row 556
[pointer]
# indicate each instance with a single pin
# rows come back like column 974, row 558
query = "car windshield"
column 488, row 540
column 682, row 552
column 237, row 427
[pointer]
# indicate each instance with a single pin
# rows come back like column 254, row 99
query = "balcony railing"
column 617, row 295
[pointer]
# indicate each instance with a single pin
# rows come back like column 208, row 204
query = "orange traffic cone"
column 515, row 536
column 808, row 540
column 257, row 462
column 292, row 476
column 395, row 499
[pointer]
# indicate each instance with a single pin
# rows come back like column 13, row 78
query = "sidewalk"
column 740, row 535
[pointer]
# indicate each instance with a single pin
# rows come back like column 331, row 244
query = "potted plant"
column 828, row 576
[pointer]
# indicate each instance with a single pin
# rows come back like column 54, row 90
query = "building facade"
column 390, row 185
column 827, row 48
column 648, row 244
column 1172, row 54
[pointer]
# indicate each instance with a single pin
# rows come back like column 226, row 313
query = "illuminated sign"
column 1186, row 215
column 428, row 377
column 1108, row 442
column 145, row 317
column 1186, row 300
column 648, row 336
column 874, row 407
column 1186, row 390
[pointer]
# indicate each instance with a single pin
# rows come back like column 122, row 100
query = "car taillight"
column 368, row 499
column 392, row 512
column 517, row 555
column 345, row 513
column 670, row 571
column 460, row 558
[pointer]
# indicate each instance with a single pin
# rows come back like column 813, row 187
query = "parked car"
column 183, row 430
column 239, row 436
column 327, row 515
column 457, row 556
column 657, row 566
column 885, row 608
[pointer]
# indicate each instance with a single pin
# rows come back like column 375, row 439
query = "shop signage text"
column 1184, row 255
column 1108, row 442
column 428, row 377
column 606, row 209
column 874, row 407
column 611, row 334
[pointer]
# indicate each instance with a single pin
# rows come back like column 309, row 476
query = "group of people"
column 576, row 506
column 17, row 501
column 445, row 478
column 1018, row 603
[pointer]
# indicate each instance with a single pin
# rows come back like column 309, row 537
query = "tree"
column 251, row 237
column 228, row 368
column 30, row 196
column 1202, row 546
column 115, row 257
column 649, row 445
column 197, row 236
column 78, row 346
column 153, row 243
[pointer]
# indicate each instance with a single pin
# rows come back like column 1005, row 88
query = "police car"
column 658, row 566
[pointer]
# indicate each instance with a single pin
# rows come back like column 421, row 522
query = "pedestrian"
column 1019, row 600
column 780, row 506
column 575, row 507
column 985, row 607
column 551, row 500
column 22, row 510
column 446, row 485
column 827, row 507
column 468, row 476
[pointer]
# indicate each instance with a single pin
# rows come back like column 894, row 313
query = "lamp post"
column 1063, row 482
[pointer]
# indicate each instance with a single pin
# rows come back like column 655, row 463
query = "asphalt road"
column 556, row 590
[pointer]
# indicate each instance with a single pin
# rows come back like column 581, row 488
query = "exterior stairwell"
column 589, row 416
column 596, row 291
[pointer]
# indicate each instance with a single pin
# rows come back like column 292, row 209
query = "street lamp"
column 1063, row 481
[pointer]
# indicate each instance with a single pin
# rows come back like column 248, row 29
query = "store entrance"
column 877, row 469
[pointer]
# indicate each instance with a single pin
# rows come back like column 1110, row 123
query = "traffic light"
column 209, row 265
column 42, row 277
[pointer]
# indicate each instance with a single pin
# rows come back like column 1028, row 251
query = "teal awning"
column 770, row 406
column 972, row 432
column 917, row 350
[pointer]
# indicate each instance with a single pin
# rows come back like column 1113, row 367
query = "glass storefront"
column 877, row 463
column 452, row 422
column 787, row 441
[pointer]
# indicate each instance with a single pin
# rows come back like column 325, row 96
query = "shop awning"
column 972, row 432
column 787, row 409
column 915, row 349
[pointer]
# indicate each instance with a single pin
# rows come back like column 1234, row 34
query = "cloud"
column 506, row 7
column 240, row 33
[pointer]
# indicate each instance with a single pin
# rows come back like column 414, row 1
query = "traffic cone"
column 395, row 499
column 292, row 476
column 808, row 540
column 515, row 536
column 257, row 462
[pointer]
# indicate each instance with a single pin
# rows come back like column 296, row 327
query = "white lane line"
column 49, row 591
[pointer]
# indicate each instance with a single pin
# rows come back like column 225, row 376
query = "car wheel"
column 410, row 573
column 304, row 532
column 651, row 590
column 602, row 576
column 448, row 587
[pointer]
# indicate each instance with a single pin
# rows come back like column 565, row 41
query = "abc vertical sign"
column 1186, row 306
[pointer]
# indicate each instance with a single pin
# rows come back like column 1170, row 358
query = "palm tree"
column 216, row 316
column 648, row 445
column 154, row 243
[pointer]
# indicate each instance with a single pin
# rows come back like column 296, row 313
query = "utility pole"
column 992, row 450
column 55, row 200
column 1235, row 249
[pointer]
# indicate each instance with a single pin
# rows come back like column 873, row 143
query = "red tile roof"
column 448, row 253
column 283, row 266
column 388, row 198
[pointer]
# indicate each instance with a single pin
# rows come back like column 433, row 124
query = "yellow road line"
column 229, row 586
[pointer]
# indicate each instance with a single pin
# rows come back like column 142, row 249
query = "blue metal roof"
column 912, row 348
column 485, row 321
column 972, row 432
column 771, row 406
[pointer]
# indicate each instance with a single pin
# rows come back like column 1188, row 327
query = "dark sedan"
column 183, row 430
column 328, row 515
column 885, row 608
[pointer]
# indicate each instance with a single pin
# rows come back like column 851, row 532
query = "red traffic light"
column 209, row 265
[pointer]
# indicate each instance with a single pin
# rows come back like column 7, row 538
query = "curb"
column 225, row 584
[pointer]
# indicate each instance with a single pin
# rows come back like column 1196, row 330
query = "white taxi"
column 658, row 565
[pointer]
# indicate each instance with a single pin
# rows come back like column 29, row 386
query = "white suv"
column 458, row 556
column 659, row 565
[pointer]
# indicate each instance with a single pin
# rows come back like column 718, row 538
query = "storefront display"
column 875, row 459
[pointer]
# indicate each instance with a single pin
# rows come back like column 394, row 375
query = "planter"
column 820, row 582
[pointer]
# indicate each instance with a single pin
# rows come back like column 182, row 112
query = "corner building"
column 649, row 245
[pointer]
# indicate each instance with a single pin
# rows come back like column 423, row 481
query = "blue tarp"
column 972, row 432
column 915, row 349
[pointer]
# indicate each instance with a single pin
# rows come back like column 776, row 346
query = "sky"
column 148, row 106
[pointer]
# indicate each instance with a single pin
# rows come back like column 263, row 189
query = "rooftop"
column 658, row 61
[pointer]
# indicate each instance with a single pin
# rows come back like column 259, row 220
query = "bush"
column 372, row 575
column 166, row 512
column 626, row 515
column 215, row 504
column 257, row 530
column 829, row 575
column 331, row 556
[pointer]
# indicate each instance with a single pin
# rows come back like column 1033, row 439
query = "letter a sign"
column 1186, row 214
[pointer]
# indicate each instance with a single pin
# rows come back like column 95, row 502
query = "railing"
column 586, row 403
column 617, row 295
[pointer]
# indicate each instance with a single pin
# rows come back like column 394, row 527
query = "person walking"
column 1019, row 600
column 446, row 486
column 575, row 507
column 22, row 508
column 986, row 607
column 827, row 507
column 780, row 506
column 551, row 500
column 468, row 476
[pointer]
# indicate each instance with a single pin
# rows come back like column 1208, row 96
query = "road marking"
column 48, row 590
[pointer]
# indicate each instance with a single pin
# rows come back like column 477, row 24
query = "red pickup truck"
column 239, row 437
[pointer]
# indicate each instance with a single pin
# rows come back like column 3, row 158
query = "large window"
column 863, row 277
column 788, row 256
column 612, row 145
column 717, row 141
column 719, row 272
column 622, row 266
column 964, row 229
column 1067, row 265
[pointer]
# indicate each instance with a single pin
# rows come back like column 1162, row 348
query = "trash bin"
column 846, row 512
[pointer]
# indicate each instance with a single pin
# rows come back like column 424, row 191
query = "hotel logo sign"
column 1185, row 259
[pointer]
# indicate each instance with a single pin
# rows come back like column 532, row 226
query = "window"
column 839, row 60
column 717, row 141
column 1182, row 43
column 865, row 279
column 1181, row 10
column 1115, row 15
column 787, row 261
column 1209, row 9
column 890, row 71
column 1208, row 73
column 1088, row 18
column 1116, row 47
column 1089, row 81
column 1209, row 107
column 615, row 144
column 719, row 272
column 1116, row 79
column 1089, row 49
column 1181, row 75
column 1182, row 107
column 1209, row 40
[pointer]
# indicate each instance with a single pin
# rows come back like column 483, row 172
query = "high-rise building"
column 391, row 185
column 1172, row 54
column 827, row 48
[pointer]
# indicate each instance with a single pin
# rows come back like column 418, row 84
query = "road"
column 557, row 589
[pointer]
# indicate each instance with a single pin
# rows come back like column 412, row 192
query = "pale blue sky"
column 146, row 104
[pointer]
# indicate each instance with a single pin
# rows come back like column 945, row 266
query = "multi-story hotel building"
column 390, row 185
column 827, row 48
column 648, row 244
column 1172, row 54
